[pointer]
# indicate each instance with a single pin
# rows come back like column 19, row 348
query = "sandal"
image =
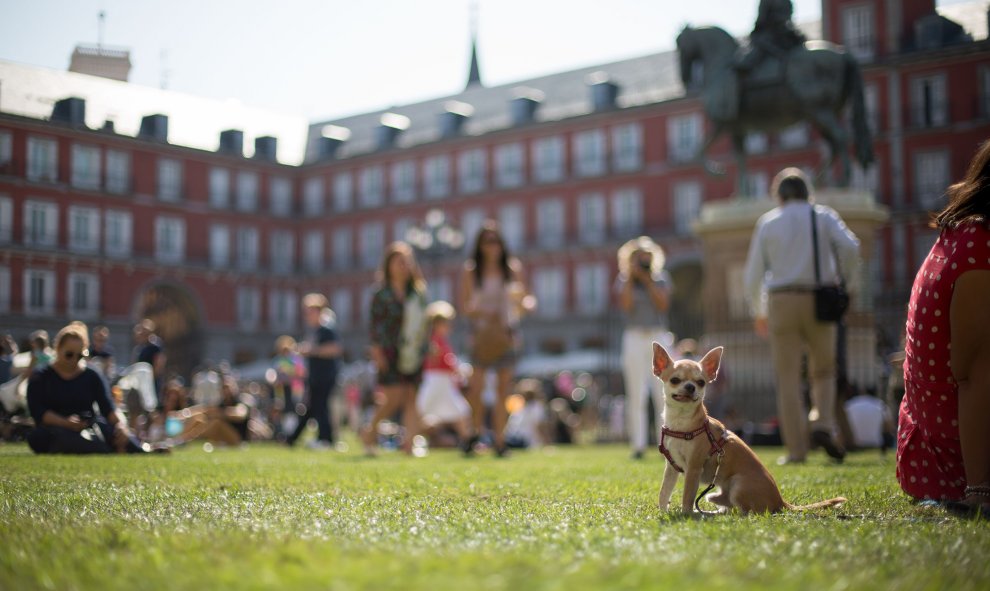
column 962, row 509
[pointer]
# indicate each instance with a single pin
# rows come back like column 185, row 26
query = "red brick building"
column 218, row 247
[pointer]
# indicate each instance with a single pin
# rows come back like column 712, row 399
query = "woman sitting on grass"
column 225, row 423
column 61, row 398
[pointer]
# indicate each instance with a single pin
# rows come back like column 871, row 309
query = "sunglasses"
column 70, row 355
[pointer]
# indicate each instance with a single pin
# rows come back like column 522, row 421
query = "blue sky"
column 327, row 58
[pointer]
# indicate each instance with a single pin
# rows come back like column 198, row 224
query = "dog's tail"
column 819, row 505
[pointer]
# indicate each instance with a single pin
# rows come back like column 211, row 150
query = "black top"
column 105, row 352
column 148, row 351
column 323, row 369
column 48, row 391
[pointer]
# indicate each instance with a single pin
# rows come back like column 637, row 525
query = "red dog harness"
column 718, row 445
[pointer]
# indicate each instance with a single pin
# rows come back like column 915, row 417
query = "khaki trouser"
column 794, row 330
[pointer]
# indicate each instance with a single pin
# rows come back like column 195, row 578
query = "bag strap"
column 814, row 243
column 814, row 246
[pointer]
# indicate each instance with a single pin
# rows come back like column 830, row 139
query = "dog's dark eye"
column 701, row 383
column 675, row 381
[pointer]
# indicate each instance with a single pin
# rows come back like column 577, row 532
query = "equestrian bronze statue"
column 778, row 81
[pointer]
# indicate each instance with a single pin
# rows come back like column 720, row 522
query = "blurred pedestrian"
column 322, row 349
column 150, row 349
column 643, row 289
column 493, row 297
column 101, row 353
column 439, row 400
column 398, row 341
column 781, row 275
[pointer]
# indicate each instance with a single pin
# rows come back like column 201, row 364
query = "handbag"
column 492, row 340
column 831, row 301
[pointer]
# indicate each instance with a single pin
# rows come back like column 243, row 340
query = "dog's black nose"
column 689, row 387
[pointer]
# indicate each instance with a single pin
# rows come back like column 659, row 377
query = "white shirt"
column 781, row 254
column 525, row 423
column 866, row 416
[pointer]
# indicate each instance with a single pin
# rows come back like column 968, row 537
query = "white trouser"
column 637, row 373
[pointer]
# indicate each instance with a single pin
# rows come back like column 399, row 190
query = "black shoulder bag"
column 831, row 301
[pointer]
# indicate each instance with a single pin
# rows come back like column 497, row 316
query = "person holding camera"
column 61, row 399
column 797, row 247
column 643, row 289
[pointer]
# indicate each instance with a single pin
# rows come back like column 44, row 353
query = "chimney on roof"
column 265, row 148
column 232, row 142
column 154, row 127
column 70, row 110
column 523, row 106
column 603, row 91
column 331, row 138
column 389, row 128
column 453, row 117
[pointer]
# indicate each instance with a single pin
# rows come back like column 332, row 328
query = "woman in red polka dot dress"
column 943, row 441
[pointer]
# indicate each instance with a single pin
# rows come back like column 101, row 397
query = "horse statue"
column 812, row 84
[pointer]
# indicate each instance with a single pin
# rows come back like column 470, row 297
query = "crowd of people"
column 419, row 393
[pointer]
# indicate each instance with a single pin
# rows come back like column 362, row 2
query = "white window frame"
column 313, row 197
column 509, row 163
column 118, row 179
column 283, row 305
column 687, row 205
column 401, row 226
column 169, row 180
column 471, row 222
column 550, row 288
column 859, row 31
column 248, row 307
column 89, row 307
column 343, row 192
column 118, row 241
column 281, row 251
column 758, row 184
column 6, row 220
column 371, row 243
column 512, row 224
column 684, row 136
column 342, row 243
column 342, row 304
column 85, row 167
column 219, row 188
column 795, row 136
column 757, row 142
column 247, row 191
column 472, row 170
column 403, row 179
column 5, row 290
column 436, row 176
column 247, row 248
column 627, row 212
column 551, row 222
column 589, row 153
column 219, row 246
column 627, row 147
column 280, row 196
column 170, row 239
column 932, row 175
column 42, row 159
column 371, row 187
column 44, row 303
column 548, row 159
column 592, row 218
column 313, row 248
column 84, row 229
column 591, row 286
column 929, row 100
column 40, row 223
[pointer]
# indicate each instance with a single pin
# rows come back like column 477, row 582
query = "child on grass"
column 439, row 400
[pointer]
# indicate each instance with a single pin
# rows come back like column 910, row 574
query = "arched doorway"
column 178, row 323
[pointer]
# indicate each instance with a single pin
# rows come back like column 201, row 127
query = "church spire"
column 474, row 73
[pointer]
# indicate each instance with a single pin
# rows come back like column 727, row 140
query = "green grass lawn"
column 564, row 518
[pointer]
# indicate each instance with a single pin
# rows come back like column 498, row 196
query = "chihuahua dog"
column 704, row 449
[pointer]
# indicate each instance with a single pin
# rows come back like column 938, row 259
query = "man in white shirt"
column 780, row 281
column 870, row 422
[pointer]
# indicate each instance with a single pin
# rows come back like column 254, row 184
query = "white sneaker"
column 319, row 445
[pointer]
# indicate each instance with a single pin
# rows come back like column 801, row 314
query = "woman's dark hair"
column 969, row 199
column 490, row 228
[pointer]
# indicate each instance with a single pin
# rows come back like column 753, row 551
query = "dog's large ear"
column 710, row 363
column 661, row 359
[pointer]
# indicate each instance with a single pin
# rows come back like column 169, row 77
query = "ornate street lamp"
column 435, row 238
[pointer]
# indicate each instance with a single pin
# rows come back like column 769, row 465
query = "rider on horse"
column 774, row 35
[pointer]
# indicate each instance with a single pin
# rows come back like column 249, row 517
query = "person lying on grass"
column 71, row 404
column 226, row 423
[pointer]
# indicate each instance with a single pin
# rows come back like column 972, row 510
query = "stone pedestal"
column 725, row 228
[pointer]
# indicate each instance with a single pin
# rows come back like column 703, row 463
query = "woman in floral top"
column 397, row 340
